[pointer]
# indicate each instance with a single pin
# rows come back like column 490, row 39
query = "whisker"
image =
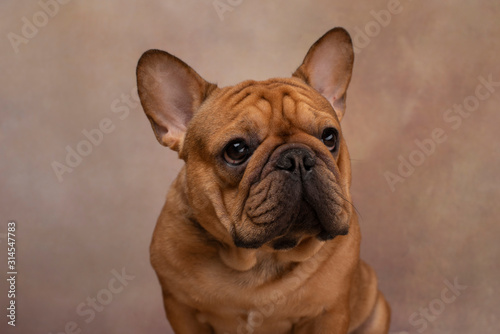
column 353, row 206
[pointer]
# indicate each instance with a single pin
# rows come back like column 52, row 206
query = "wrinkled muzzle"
column 296, row 195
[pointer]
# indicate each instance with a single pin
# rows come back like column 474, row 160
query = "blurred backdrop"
column 84, row 178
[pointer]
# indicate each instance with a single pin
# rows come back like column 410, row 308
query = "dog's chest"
column 268, row 299
column 260, row 321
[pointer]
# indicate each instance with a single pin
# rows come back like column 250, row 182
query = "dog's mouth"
column 288, row 226
column 307, row 224
column 291, row 203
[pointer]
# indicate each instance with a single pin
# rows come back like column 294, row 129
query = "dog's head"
column 266, row 162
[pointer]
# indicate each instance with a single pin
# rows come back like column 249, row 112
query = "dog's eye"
column 329, row 138
column 236, row 152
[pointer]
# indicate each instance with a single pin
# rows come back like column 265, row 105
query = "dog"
column 258, row 233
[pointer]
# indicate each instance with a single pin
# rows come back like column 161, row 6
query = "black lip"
column 240, row 243
column 325, row 235
column 285, row 243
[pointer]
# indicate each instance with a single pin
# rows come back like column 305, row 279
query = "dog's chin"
column 290, row 242
column 295, row 235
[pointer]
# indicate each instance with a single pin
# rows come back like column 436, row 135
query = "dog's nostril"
column 288, row 164
column 308, row 163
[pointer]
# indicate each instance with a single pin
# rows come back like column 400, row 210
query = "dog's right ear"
column 170, row 92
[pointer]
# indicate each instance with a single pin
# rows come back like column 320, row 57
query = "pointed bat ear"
column 170, row 93
column 327, row 67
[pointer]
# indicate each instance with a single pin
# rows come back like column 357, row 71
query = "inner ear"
column 327, row 67
column 170, row 92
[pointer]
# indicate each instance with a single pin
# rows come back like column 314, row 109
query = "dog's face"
column 266, row 163
column 273, row 152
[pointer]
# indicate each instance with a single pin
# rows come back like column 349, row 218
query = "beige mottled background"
column 438, row 225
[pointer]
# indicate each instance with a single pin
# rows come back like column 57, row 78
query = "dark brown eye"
column 236, row 152
column 329, row 138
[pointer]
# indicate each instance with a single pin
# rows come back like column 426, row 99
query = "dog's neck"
column 242, row 259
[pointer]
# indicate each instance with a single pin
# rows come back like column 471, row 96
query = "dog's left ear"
column 327, row 67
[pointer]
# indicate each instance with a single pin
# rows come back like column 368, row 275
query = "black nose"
column 296, row 161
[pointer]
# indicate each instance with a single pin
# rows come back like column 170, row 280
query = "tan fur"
column 209, row 284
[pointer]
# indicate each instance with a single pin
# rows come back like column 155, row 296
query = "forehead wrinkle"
column 288, row 111
column 316, row 106
column 246, row 95
column 248, row 122
column 298, row 111
column 282, row 102
column 281, row 106
column 252, row 90
column 230, row 93
column 283, row 83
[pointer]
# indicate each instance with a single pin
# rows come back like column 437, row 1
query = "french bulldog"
column 258, row 233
